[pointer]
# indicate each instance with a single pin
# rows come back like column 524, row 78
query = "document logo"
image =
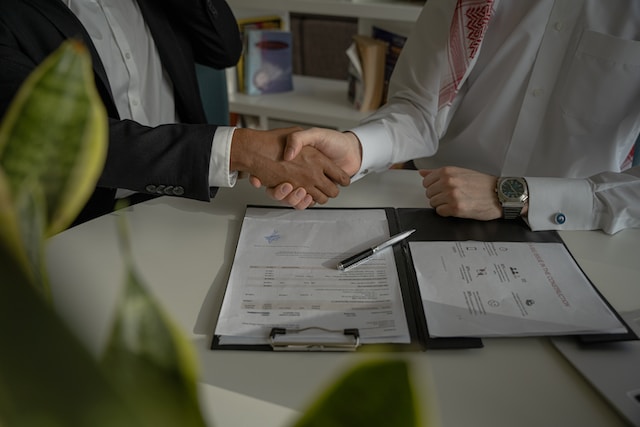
column 273, row 237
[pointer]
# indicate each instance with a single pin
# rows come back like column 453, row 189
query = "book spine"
column 395, row 43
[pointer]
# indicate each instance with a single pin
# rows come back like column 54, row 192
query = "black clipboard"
column 429, row 226
column 278, row 336
column 432, row 227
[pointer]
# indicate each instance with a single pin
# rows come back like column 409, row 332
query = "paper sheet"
column 284, row 275
column 485, row 289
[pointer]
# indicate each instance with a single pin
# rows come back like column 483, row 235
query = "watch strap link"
column 511, row 212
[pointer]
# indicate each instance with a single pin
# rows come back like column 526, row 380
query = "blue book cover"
column 268, row 62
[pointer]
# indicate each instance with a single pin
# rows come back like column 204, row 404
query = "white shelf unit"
column 377, row 9
column 314, row 101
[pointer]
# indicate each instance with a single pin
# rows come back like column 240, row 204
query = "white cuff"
column 560, row 204
column 376, row 149
column 219, row 173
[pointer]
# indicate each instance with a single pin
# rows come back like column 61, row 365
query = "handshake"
column 298, row 167
column 303, row 167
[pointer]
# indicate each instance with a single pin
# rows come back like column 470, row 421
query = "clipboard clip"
column 279, row 342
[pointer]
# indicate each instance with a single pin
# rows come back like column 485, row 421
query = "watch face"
column 512, row 188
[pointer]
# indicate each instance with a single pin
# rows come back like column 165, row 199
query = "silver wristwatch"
column 513, row 194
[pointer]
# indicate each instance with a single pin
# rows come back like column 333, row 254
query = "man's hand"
column 462, row 193
column 341, row 147
column 261, row 154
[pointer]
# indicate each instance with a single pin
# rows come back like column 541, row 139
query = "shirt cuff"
column 560, row 204
column 219, row 173
column 376, row 149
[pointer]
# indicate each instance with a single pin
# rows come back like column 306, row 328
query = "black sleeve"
column 143, row 158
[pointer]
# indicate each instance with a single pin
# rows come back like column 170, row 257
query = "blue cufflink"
column 560, row 218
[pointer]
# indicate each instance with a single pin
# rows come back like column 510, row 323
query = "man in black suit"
column 155, row 155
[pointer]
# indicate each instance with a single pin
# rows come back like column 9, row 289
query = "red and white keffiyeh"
column 468, row 26
column 628, row 161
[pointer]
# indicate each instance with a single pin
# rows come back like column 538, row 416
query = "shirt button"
column 127, row 55
column 558, row 26
column 537, row 92
column 134, row 102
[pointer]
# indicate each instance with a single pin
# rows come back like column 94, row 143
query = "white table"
column 184, row 249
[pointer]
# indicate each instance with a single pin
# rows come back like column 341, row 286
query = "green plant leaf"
column 55, row 132
column 373, row 394
column 47, row 378
column 52, row 149
column 21, row 232
column 149, row 359
column 10, row 235
column 32, row 224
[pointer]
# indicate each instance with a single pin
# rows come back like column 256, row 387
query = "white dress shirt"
column 141, row 89
column 554, row 96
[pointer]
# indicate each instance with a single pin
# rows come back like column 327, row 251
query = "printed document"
column 485, row 289
column 284, row 275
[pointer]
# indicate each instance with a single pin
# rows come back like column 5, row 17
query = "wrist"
column 355, row 153
column 240, row 157
column 513, row 195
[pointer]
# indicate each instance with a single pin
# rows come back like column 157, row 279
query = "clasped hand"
column 461, row 193
column 261, row 154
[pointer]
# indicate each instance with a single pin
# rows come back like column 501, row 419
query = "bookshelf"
column 314, row 101
column 403, row 11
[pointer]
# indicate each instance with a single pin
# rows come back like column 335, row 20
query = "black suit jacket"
column 173, row 158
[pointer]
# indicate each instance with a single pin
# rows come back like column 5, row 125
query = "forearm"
column 142, row 158
column 249, row 151
column 405, row 128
